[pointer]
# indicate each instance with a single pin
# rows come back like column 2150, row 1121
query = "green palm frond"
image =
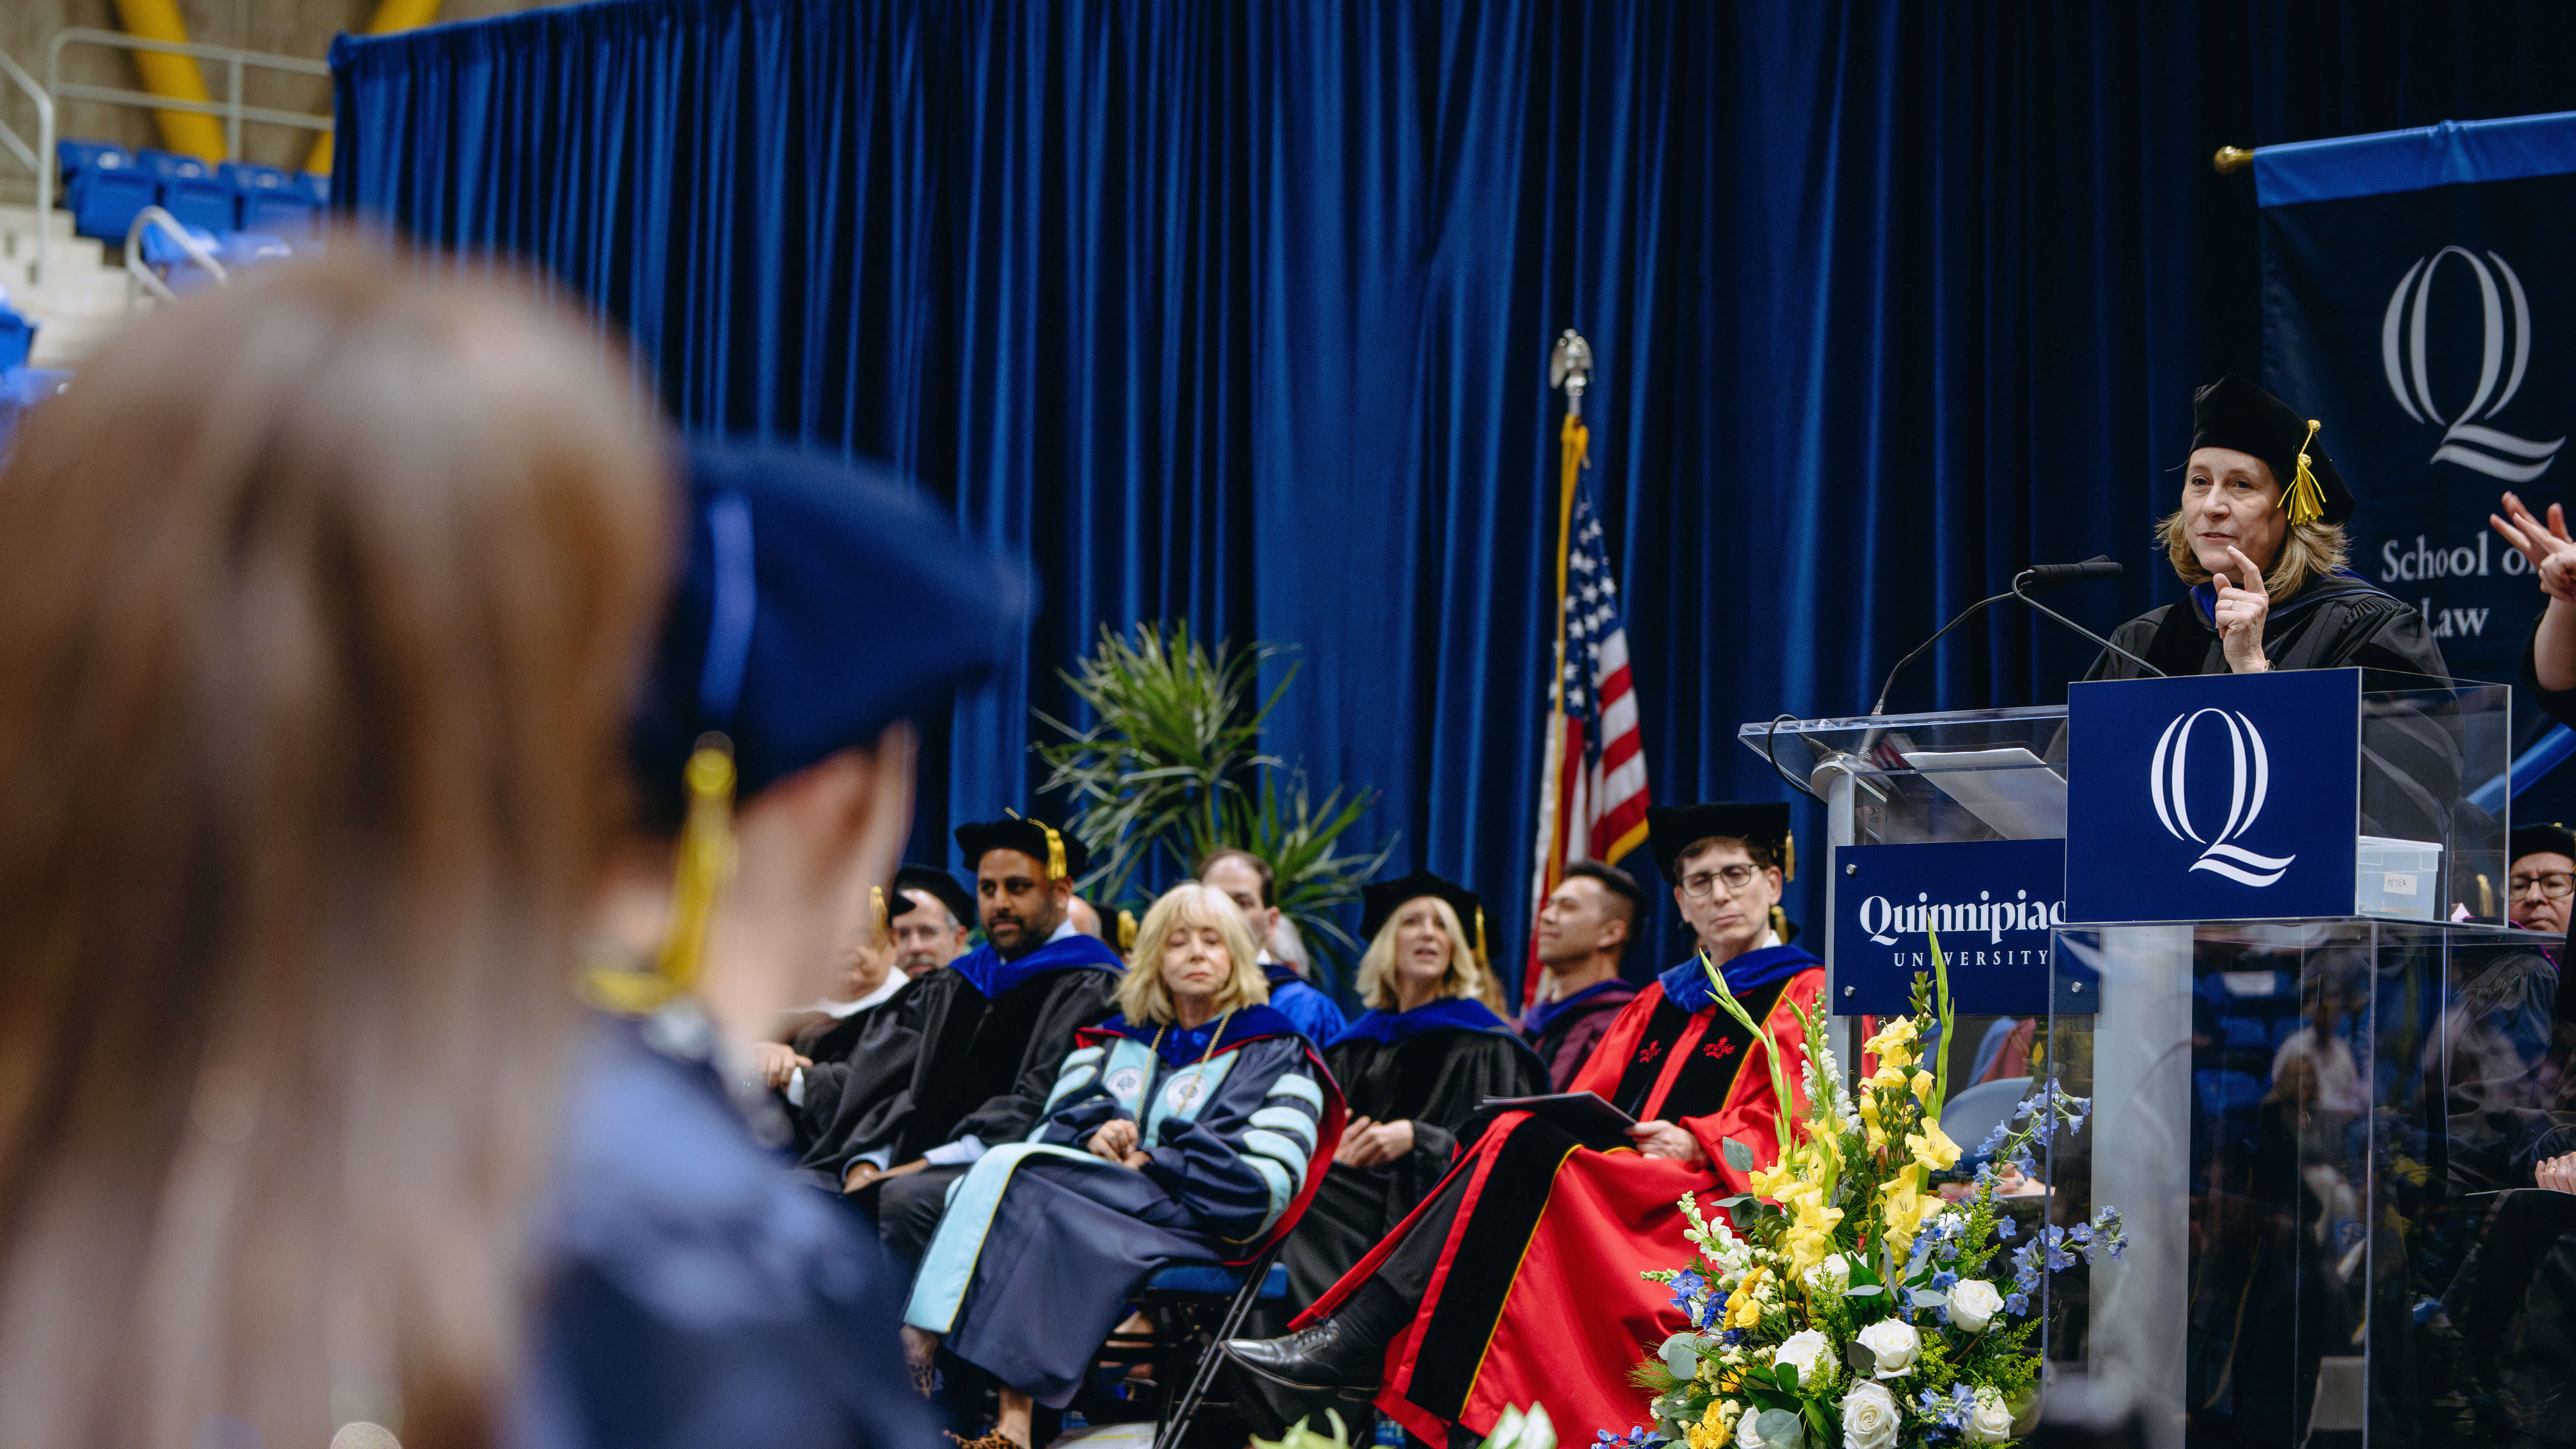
column 1172, row 764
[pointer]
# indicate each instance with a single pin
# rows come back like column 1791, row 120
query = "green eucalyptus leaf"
column 1780, row 1429
column 1857, row 1354
column 1739, row 1157
column 1872, row 1291
column 1929, row 1297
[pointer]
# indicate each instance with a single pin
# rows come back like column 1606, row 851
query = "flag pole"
column 1569, row 368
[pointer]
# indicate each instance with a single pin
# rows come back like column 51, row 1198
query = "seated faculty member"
column 1583, row 934
column 699, row 1292
column 1183, row 1130
column 934, row 933
column 1519, row 1281
column 809, row 1068
column 964, row 1059
column 2260, row 538
column 1414, row 1068
column 1247, row 880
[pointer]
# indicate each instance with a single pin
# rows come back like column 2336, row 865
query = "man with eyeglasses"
column 2542, row 877
column 1518, row 1281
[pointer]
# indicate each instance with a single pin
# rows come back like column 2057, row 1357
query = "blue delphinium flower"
column 2006, row 1227
column 2058, row 1258
column 2080, row 1233
column 2017, row 1304
column 2025, row 1260
column 1944, row 1280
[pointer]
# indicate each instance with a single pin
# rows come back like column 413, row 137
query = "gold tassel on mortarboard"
column 1126, row 930
column 885, row 922
column 2307, row 501
column 1481, row 959
column 705, row 861
column 1055, row 844
column 1789, row 857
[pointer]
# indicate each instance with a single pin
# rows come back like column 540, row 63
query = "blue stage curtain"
column 1239, row 313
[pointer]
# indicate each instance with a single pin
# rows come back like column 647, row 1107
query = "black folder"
column 1583, row 1115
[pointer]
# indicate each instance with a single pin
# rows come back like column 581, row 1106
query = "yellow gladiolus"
column 1923, row 1085
column 1934, row 1151
column 1903, row 1209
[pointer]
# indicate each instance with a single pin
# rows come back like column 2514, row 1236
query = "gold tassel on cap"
column 1055, row 845
column 1481, row 959
column 1126, row 930
column 705, row 861
column 877, row 898
column 2307, row 497
column 1789, row 856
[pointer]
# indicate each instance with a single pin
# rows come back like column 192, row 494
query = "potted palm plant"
column 1170, row 767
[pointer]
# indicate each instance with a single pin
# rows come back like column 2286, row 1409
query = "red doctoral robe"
column 1537, row 1296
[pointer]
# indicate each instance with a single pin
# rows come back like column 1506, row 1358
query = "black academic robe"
column 1392, row 1070
column 2337, row 622
column 947, row 1060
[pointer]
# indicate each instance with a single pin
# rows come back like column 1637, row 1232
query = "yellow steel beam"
column 173, row 76
column 391, row 15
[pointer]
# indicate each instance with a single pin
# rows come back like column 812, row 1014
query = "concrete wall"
column 284, row 27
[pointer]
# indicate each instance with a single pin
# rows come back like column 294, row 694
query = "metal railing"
column 17, row 145
column 153, row 218
column 230, row 108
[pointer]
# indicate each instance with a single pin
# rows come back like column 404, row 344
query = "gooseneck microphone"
column 2042, row 575
column 2038, row 576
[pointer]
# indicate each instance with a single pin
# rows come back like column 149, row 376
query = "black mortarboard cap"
column 2531, row 839
column 2234, row 413
column 849, row 602
column 1673, row 829
column 1032, row 838
column 1380, row 900
column 943, row 888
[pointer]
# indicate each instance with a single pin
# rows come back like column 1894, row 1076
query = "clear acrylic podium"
column 2303, row 1122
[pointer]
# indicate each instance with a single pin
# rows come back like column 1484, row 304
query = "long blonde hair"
column 1142, row 995
column 1464, row 977
column 327, row 595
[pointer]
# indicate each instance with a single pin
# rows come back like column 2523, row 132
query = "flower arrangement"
column 1849, row 1304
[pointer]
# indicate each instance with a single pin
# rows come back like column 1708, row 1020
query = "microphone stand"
column 2023, row 577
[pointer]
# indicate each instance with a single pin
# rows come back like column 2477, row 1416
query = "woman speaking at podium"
column 2260, row 539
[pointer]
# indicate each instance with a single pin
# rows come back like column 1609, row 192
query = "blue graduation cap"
column 820, row 601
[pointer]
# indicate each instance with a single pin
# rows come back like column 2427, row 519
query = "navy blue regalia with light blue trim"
column 1293, row 997
column 1043, row 1242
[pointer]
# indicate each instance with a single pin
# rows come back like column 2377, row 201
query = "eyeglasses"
column 2555, row 885
column 1737, row 877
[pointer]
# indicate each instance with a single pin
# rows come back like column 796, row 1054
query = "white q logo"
column 2165, row 779
column 2464, row 437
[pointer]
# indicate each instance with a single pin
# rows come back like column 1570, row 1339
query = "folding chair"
column 1210, row 1303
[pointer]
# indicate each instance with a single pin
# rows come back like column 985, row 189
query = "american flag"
column 1593, row 797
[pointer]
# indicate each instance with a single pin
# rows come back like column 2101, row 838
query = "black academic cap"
column 2234, row 413
column 847, row 602
column 1673, row 829
column 1380, row 900
column 2532, row 839
column 1032, row 838
column 943, row 888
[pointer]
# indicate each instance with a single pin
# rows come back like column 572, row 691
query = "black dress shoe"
column 1334, row 1354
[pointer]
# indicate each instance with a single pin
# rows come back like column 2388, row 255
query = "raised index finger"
column 2253, row 576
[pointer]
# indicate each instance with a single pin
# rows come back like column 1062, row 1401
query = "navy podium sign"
column 1992, row 902
column 2218, row 797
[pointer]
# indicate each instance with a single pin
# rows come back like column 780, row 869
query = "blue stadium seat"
column 17, row 337
column 191, row 190
column 103, row 187
column 284, row 213
column 75, row 157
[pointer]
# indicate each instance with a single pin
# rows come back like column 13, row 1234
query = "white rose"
column 1992, row 1421
column 1974, row 1304
column 1869, row 1417
column 1745, row 1438
column 1893, row 1342
column 1811, row 1352
column 1830, row 1278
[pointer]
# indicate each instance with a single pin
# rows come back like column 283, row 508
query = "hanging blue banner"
column 2417, row 300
